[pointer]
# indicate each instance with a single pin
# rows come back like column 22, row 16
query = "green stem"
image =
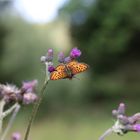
column 35, row 108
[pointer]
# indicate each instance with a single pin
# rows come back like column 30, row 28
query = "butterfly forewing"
column 60, row 68
column 77, row 67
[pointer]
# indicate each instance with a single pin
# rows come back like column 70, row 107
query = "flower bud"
column 114, row 113
column 121, row 108
column 49, row 56
column 51, row 68
column 67, row 59
column 61, row 57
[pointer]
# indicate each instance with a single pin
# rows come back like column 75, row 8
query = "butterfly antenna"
column 76, row 78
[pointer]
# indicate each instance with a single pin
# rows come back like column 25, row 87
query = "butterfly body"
column 68, row 70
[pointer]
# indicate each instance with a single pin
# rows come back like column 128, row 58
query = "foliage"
column 108, row 31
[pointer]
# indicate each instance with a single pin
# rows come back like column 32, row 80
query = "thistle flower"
column 28, row 92
column 29, row 86
column 9, row 92
column 16, row 136
column 75, row 53
column 123, row 123
column 136, row 127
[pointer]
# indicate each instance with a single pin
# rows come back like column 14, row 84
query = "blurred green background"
column 108, row 34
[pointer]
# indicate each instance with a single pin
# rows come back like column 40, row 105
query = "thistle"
column 15, row 97
column 123, row 123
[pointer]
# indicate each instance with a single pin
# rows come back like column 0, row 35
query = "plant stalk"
column 37, row 104
column 16, row 108
column 107, row 132
column 2, row 103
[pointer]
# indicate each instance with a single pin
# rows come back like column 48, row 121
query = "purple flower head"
column 9, row 92
column 51, row 68
column 75, row 53
column 61, row 57
column 16, row 136
column 67, row 59
column 136, row 127
column 29, row 98
column 29, row 86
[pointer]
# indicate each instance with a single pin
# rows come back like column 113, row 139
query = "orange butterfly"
column 68, row 70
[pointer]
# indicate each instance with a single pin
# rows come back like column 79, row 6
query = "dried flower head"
column 9, row 92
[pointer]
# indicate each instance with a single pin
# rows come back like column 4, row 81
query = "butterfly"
column 68, row 70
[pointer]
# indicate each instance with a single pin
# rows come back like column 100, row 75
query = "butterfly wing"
column 59, row 73
column 60, row 67
column 77, row 67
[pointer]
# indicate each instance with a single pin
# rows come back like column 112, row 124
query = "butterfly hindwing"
column 56, row 75
column 59, row 73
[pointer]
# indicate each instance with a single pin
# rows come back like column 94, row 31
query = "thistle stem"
column 107, row 132
column 16, row 108
column 37, row 104
column 8, row 111
column 2, row 103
